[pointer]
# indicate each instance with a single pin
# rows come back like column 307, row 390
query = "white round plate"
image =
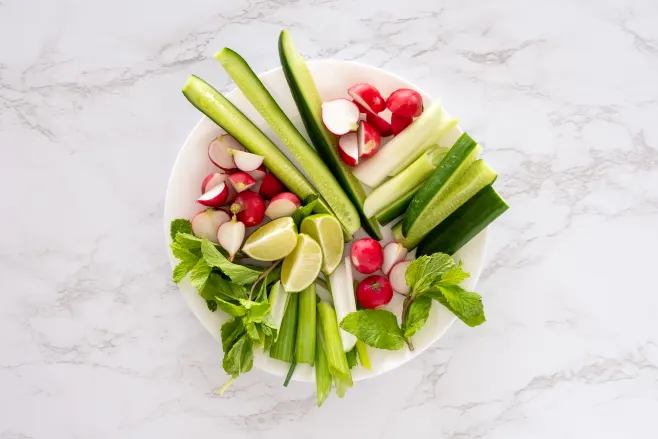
column 192, row 165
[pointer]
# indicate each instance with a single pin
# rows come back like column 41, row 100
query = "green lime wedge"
column 273, row 241
column 301, row 267
column 326, row 231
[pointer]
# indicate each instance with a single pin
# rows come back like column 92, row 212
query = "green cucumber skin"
column 464, row 223
column 397, row 209
column 438, row 180
column 325, row 143
column 308, row 159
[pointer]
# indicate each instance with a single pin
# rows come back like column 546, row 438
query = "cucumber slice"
column 397, row 208
column 319, row 174
column 453, row 165
column 464, row 223
column 476, row 177
column 221, row 111
column 309, row 105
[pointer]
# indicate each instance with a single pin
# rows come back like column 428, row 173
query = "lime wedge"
column 301, row 267
column 274, row 241
column 326, row 231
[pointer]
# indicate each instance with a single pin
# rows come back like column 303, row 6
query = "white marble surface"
column 95, row 341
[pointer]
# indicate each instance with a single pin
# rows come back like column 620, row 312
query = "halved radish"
column 397, row 277
column 348, row 149
column 246, row 161
column 399, row 123
column 206, row 223
column 270, row 186
column 281, row 205
column 405, row 102
column 380, row 123
column 367, row 97
column 340, row 116
column 213, row 180
column 215, row 196
column 394, row 252
column 259, row 173
column 249, row 207
column 230, row 236
column 218, row 151
column 368, row 138
column 241, row 181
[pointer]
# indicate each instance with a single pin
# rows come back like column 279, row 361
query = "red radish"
column 213, row 180
column 367, row 255
column 206, row 223
column 259, row 173
column 215, row 196
column 394, row 252
column 249, row 207
column 405, row 102
column 283, row 204
column 218, row 151
column 368, row 138
column 246, row 161
column 374, row 291
column 367, row 97
column 382, row 126
column 340, row 116
column 399, row 123
column 348, row 149
column 270, row 186
column 397, row 277
column 230, row 235
column 241, row 181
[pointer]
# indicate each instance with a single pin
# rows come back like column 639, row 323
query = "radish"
column 206, row 223
column 367, row 255
column 399, row 123
column 368, row 139
column 270, row 186
column 397, row 277
column 340, row 116
column 218, row 151
column 283, row 204
column 394, row 252
column 213, row 180
column 215, row 196
column 231, row 234
column 405, row 102
column 367, row 97
column 249, row 208
column 374, row 291
column 381, row 124
column 259, row 173
column 246, row 161
column 348, row 149
column 241, row 181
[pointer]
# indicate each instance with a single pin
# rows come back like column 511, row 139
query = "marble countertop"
column 95, row 340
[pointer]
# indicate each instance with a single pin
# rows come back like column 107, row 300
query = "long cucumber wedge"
column 309, row 104
column 464, row 223
column 221, row 111
column 319, row 174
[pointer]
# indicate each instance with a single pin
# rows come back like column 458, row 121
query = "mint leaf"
column 240, row 358
column 417, row 315
column 231, row 332
column 252, row 332
column 375, row 327
column 183, row 253
column 227, row 290
column 199, row 274
column 454, row 276
column 466, row 305
column 303, row 211
column 426, row 270
column 212, row 305
column 179, row 225
column 181, row 270
column 256, row 311
column 238, row 274
column 188, row 240
column 230, row 308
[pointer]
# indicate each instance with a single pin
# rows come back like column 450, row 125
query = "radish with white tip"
column 368, row 138
column 283, row 204
column 241, row 181
column 206, row 223
column 348, row 149
column 246, row 161
column 367, row 97
column 215, row 197
column 397, row 277
column 231, row 234
column 218, row 151
column 394, row 252
column 340, row 116
column 382, row 125
column 259, row 173
column 405, row 102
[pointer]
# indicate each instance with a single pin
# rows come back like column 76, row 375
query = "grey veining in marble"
column 95, row 341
